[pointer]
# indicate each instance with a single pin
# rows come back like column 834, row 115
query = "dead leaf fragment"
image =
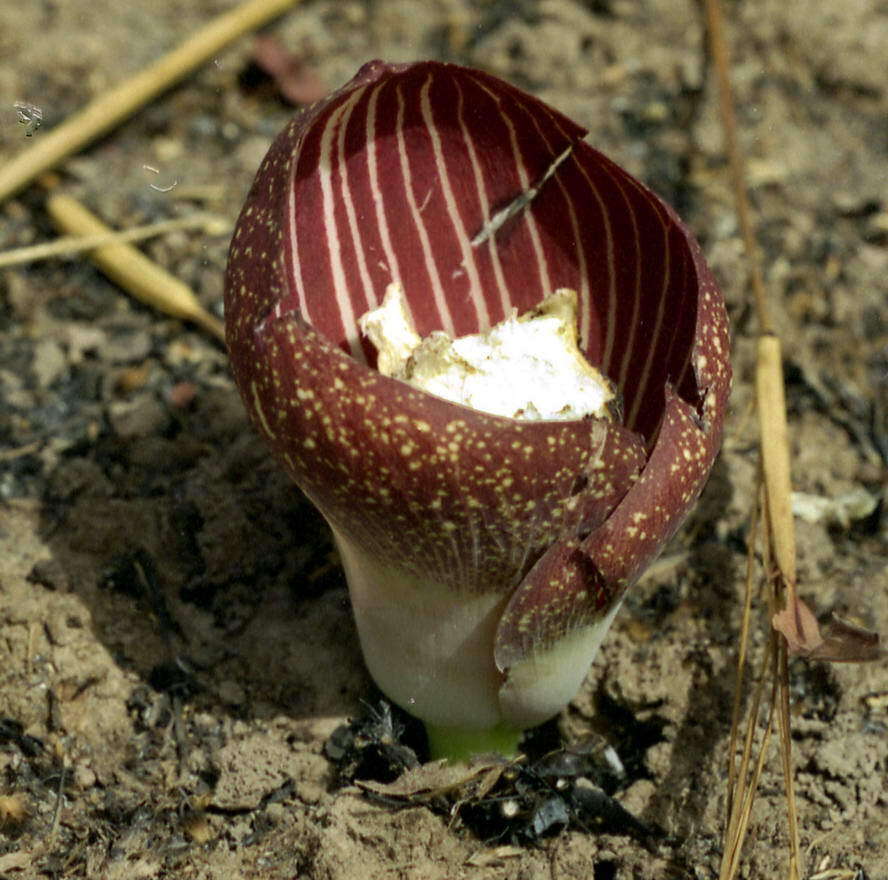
column 438, row 778
column 845, row 642
column 840, row 641
column 295, row 80
column 798, row 625
column 490, row 858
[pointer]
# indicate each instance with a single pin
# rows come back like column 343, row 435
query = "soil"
column 176, row 645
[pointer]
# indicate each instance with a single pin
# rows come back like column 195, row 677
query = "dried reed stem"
column 131, row 269
column 743, row 781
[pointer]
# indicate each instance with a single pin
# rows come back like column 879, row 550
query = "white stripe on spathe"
column 610, row 323
column 295, row 263
column 331, row 232
column 641, row 391
column 468, row 255
column 620, row 375
column 484, row 203
column 446, row 319
column 524, row 180
column 585, row 316
column 376, row 191
column 352, row 332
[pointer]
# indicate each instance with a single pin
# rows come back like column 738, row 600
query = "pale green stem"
column 461, row 744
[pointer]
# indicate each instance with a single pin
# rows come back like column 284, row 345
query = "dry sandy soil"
column 176, row 644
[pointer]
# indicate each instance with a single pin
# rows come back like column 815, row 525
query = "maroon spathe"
column 402, row 175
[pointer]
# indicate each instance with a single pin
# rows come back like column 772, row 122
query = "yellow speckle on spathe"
column 260, row 414
column 422, row 426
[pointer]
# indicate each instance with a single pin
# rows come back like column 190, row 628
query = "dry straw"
column 780, row 534
column 72, row 245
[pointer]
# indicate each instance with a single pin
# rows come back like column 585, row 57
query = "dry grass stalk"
column 112, row 107
column 743, row 777
column 131, row 269
column 779, row 538
column 71, row 245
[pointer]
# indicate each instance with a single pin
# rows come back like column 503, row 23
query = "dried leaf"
column 845, row 642
column 435, row 779
column 295, row 80
column 489, row 858
column 798, row 625
column 839, row 642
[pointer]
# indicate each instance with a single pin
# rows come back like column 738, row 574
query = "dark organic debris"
column 12, row 731
column 371, row 747
column 633, row 730
column 175, row 678
column 516, row 801
column 135, row 574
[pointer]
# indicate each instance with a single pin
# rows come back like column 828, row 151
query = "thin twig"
column 795, row 857
column 71, row 245
column 742, row 656
column 735, row 159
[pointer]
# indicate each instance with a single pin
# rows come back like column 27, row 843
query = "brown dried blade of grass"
column 743, row 776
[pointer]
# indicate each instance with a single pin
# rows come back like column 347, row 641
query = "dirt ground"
column 176, row 644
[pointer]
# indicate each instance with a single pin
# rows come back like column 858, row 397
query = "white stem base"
column 430, row 650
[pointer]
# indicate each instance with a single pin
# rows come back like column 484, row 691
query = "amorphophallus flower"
column 486, row 553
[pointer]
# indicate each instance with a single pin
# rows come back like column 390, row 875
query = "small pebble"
column 140, row 417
